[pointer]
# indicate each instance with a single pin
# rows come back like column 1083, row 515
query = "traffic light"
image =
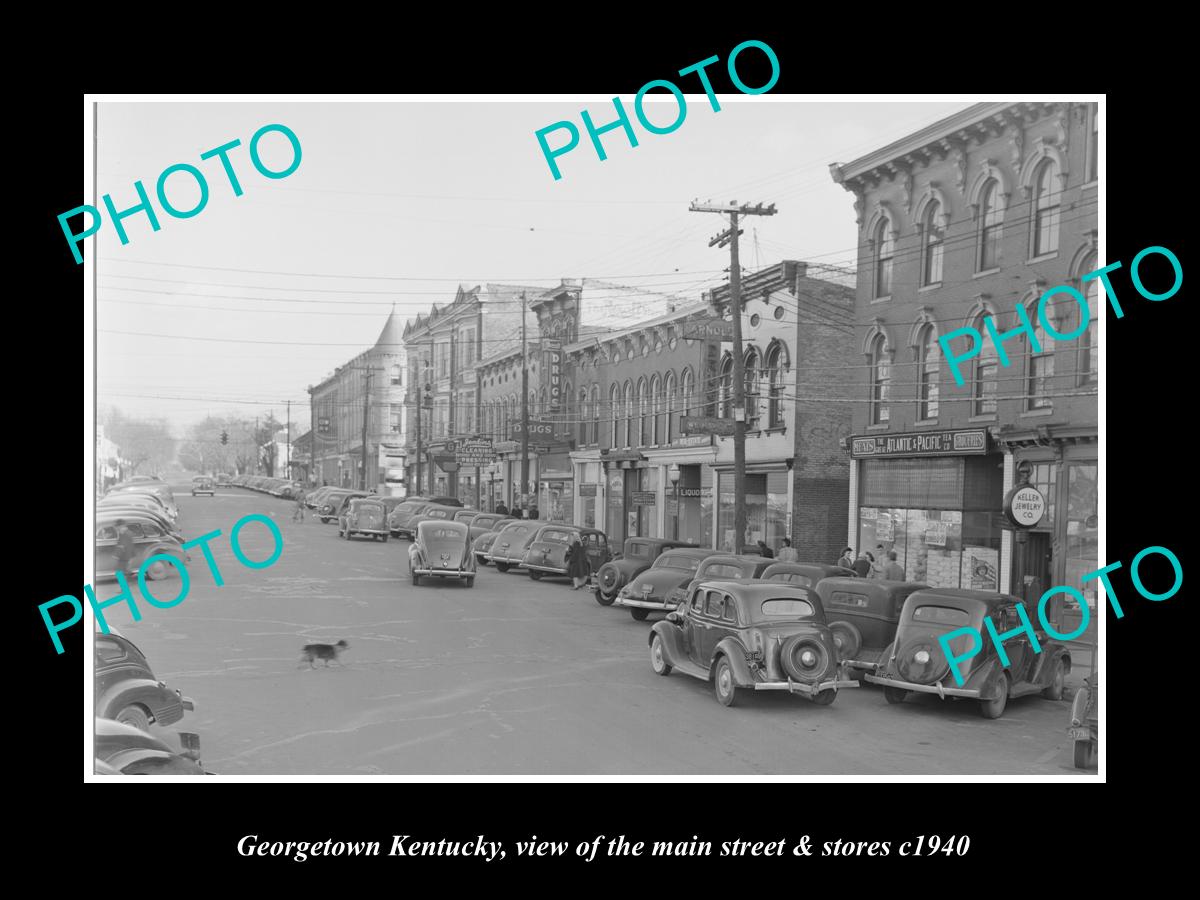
column 224, row 437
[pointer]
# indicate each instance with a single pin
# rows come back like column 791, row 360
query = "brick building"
column 968, row 218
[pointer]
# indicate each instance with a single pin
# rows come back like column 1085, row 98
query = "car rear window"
column 787, row 606
column 942, row 615
column 642, row 551
column 677, row 562
column 443, row 533
column 439, row 514
column 845, row 598
column 407, row 507
column 792, row 578
column 724, row 570
column 463, row 516
column 517, row 530
column 557, row 537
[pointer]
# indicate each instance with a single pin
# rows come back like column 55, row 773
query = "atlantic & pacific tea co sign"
column 925, row 443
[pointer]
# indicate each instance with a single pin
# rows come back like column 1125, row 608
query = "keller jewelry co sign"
column 1024, row 506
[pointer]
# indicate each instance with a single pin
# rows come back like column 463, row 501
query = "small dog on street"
column 313, row 652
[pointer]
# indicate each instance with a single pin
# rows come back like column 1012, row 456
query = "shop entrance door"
column 1033, row 571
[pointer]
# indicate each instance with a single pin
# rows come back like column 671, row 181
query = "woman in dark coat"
column 578, row 565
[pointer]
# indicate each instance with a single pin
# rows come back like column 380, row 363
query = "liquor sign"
column 689, row 492
column 552, row 360
column 706, row 425
column 928, row 443
column 643, row 498
column 693, row 440
column 475, row 452
column 1024, row 506
column 711, row 329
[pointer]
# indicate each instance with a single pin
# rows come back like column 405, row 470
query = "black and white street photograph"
column 703, row 431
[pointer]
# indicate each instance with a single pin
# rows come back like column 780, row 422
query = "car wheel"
column 601, row 599
column 469, row 581
column 847, row 638
column 324, row 520
column 501, row 566
column 639, row 614
column 1054, row 690
column 608, row 582
column 894, row 695
column 723, row 682
column 536, row 576
column 658, row 659
column 135, row 716
column 1083, row 754
column 158, row 570
column 994, row 708
column 824, row 698
column 416, row 579
column 482, row 560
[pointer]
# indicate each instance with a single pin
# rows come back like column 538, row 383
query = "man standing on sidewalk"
column 125, row 547
column 298, row 515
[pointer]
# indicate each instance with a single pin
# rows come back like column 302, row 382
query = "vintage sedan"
column 654, row 589
column 223, row 479
column 365, row 516
column 482, row 545
column 915, row 661
column 638, row 554
column 723, row 567
column 149, row 538
column 401, row 518
column 331, row 503
column 547, row 552
column 863, row 615
column 508, row 550
column 485, row 522
column 203, row 486
column 804, row 574
column 759, row 636
column 432, row 513
column 126, row 689
column 440, row 547
column 122, row 749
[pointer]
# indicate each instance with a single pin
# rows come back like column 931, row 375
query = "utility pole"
column 257, row 448
column 420, row 402
column 366, row 415
column 730, row 237
column 524, row 401
column 287, row 466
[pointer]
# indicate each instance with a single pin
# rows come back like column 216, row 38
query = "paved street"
column 510, row 677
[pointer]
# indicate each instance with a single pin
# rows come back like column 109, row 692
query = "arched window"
column 933, row 237
column 725, row 397
column 687, row 388
column 614, row 405
column 884, row 251
column 1046, row 200
column 666, row 430
column 643, row 408
column 928, row 362
column 629, row 432
column 751, row 374
column 1089, row 341
column 595, row 414
column 584, row 416
column 655, row 408
column 1039, row 365
column 775, row 363
column 984, row 374
column 991, row 221
column 881, row 381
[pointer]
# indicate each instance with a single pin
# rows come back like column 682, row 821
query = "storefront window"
column 1082, row 528
column 706, row 516
column 557, row 501
column 941, row 548
column 766, row 511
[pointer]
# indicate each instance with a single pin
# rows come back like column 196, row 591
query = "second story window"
column 885, row 250
column 614, row 403
column 667, row 432
column 1089, row 341
column 933, row 236
column 881, row 381
column 928, row 374
column 584, row 416
column 1039, row 367
column 629, row 432
column 595, row 414
column 775, row 361
column 983, row 377
column 726, row 388
column 396, row 370
column 1046, row 206
column 991, row 220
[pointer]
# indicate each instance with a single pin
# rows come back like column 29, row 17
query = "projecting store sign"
column 932, row 443
column 537, row 429
column 1024, row 506
column 475, row 452
column 708, row 330
column 552, row 357
column 705, row 425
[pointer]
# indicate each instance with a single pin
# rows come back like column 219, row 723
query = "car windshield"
column 789, row 607
column 678, row 562
column 941, row 615
column 557, row 537
column 724, row 570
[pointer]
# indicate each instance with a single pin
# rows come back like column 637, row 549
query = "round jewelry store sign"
column 1024, row 506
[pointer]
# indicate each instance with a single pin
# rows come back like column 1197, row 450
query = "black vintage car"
column 759, row 636
column 655, row 589
column 547, row 553
column 803, row 574
column 126, row 689
column 724, row 567
column 916, row 661
column 638, row 554
column 863, row 614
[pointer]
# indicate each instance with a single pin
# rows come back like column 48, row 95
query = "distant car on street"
column 758, row 636
column 638, row 554
column 915, row 661
column 203, row 486
column 440, row 547
column 402, row 515
column 657, row 588
column 126, row 689
column 485, row 522
column 223, row 479
column 365, row 516
column 546, row 554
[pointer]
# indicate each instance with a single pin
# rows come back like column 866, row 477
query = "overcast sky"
column 400, row 202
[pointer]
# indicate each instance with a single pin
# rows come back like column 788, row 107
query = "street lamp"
column 673, row 474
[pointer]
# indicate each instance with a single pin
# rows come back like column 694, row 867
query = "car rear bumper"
column 796, row 687
column 553, row 570
column 938, row 689
column 453, row 573
column 637, row 603
column 512, row 561
column 367, row 531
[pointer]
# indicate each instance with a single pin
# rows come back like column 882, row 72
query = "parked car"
column 1085, row 722
column 203, row 486
column 482, row 545
column 485, row 522
column 440, row 547
column 863, row 614
column 508, row 550
column 331, row 503
column 126, row 689
column 314, row 498
column 223, row 479
column 638, row 554
column 401, row 517
column 804, row 574
column 149, row 540
column 723, row 567
column 121, row 509
column 342, row 503
column 759, row 636
column 433, row 512
column 654, row 589
column 366, row 516
column 465, row 516
column 915, row 661
column 122, row 749
column 546, row 554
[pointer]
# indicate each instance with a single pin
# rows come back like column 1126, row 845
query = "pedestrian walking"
column 501, row 509
column 578, row 564
column 126, row 547
column 846, row 560
column 764, row 550
column 298, row 515
column 787, row 553
column 862, row 565
column 891, row 569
